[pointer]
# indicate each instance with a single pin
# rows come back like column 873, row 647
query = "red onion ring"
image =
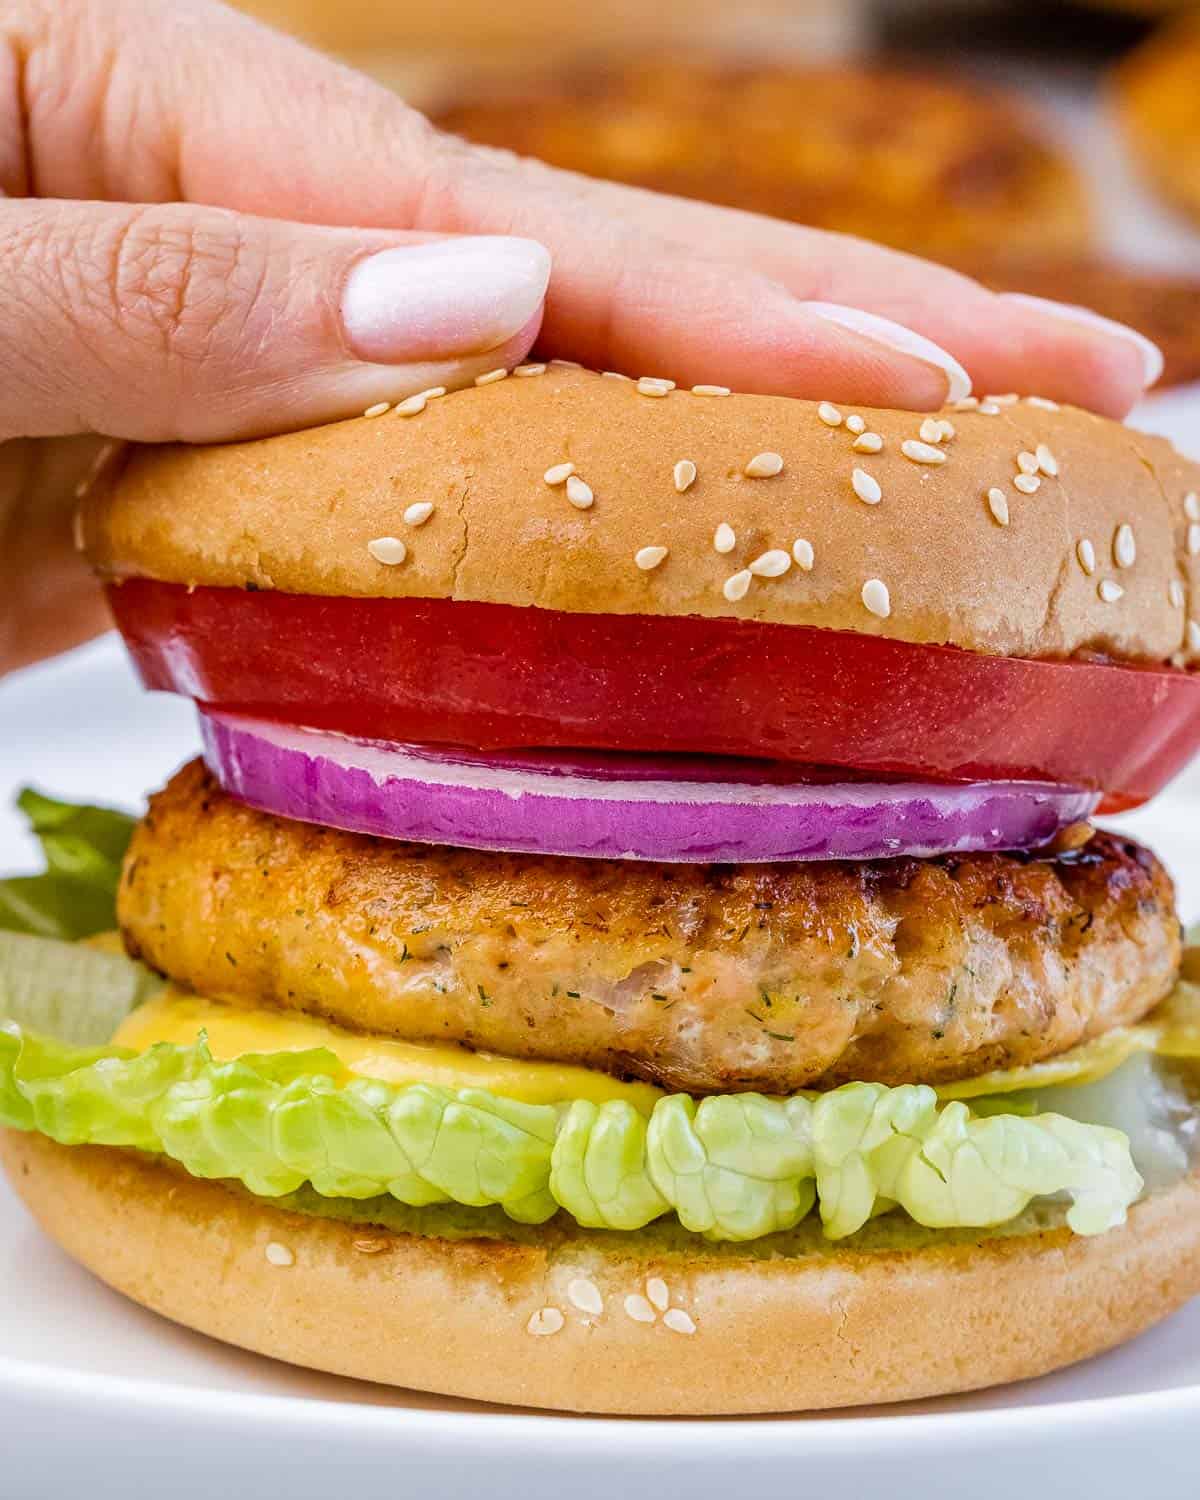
column 528, row 804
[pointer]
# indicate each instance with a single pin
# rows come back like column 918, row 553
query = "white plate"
column 96, row 1393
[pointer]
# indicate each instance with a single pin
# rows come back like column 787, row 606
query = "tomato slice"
column 492, row 676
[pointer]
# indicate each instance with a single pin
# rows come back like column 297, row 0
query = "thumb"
column 181, row 322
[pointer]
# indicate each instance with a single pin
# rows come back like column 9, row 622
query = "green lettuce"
column 70, row 991
column 733, row 1167
column 75, row 896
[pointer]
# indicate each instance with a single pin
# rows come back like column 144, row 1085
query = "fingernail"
column 1070, row 312
column 896, row 336
column 448, row 297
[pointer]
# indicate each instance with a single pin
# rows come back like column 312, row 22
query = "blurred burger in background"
column 1157, row 93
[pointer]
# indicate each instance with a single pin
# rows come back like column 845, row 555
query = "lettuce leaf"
column 733, row 1167
column 75, row 896
column 71, row 991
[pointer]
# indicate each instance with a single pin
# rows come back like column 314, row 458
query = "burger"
column 635, row 941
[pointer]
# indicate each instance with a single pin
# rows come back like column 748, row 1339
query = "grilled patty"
column 701, row 978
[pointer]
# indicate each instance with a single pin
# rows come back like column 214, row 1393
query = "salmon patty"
column 700, row 978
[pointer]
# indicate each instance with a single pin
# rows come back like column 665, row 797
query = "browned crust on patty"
column 838, row 1327
column 895, row 155
column 702, row 978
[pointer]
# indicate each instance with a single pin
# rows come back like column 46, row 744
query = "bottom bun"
column 628, row 1324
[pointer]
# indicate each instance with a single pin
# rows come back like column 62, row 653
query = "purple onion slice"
column 652, row 808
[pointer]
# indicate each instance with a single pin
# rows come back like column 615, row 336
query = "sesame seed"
column 966, row 403
column 656, row 1291
column 1046, row 461
column 711, row 390
column 922, row 453
column 948, row 429
column 418, row 514
column 650, row 385
column 526, row 370
column 370, row 1245
column 684, row 474
column 388, row 550
column 931, row 430
column 772, row 564
column 578, row 493
column 615, row 375
column 764, row 466
column 412, row 407
column 802, row 551
column 648, row 558
column 1043, row 403
column 1027, row 463
column 988, row 409
column 545, row 1320
column 77, row 536
column 1109, row 591
column 829, row 414
column 434, row 392
column 1028, row 484
column 1191, row 506
column 678, row 1321
column 866, row 487
column 378, row 409
column 856, row 424
column 736, row 586
column 1009, row 399
column 558, row 473
column 280, row 1255
column 1124, row 547
column 998, row 505
column 639, row 1309
column 1193, row 635
column 1193, row 538
column 1175, row 593
column 585, row 1295
column 566, row 364
column 1086, row 554
column 876, row 598
column 869, row 442
column 491, row 377
column 724, row 539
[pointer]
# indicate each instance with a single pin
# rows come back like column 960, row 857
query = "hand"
column 209, row 232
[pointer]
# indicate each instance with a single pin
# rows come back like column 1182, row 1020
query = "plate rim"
column 573, row 1433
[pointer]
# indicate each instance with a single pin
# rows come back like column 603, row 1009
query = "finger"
column 1000, row 338
column 1004, row 344
column 642, row 283
column 201, row 324
column 49, row 599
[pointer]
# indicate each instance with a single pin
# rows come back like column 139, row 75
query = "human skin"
column 209, row 232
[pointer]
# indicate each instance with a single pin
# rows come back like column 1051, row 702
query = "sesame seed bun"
column 961, row 546
column 614, row 1323
column 1155, row 95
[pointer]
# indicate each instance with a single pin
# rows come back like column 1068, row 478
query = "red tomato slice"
column 496, row 677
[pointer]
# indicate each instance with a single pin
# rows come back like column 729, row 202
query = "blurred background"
column 1045, row 146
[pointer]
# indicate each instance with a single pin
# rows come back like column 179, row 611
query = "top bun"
column 1102, row 556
